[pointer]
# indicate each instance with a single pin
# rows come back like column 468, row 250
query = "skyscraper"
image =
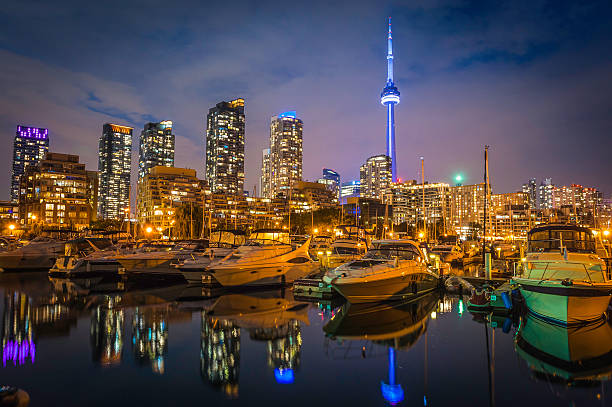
column 285, row 152
column 264, row 181
column 531, row 189
column 390, row 97
column 156, row 147
column 375, row 177
column 225, row 147
column 114, row 165
column 332, row 180
column 29, row 147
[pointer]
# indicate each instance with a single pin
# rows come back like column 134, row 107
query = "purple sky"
column 531, row 79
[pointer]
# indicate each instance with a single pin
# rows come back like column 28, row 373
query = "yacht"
column 562, row 279
column 391, row 270
column 267, row 258
column 221, row 243
column 74, row 251
column 39, row 254
column 448, row 253
column 159, row 260
column 344, row 250
column 320, row 245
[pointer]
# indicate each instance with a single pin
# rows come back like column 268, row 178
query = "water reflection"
column 271, row 316
column 397, row 326
column 106, row 333
column 150, row 337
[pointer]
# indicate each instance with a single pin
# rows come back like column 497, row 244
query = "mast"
column 486, row 183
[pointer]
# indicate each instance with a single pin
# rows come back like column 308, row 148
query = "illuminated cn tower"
column 390, row 97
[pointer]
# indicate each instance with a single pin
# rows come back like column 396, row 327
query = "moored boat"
column 40, row 254
column 563, row 280
column 391, row 270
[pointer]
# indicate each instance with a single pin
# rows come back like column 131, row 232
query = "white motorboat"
column 160, row 262
column 391, row 270
column 448, row 252
column 221, row 243
column 267, row 258
column 40, row 254
column 74, row 251
column 563, row 280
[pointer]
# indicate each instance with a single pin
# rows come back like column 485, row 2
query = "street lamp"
column 11, row 227
column 149, row 229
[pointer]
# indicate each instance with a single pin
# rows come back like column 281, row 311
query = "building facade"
column 375, row 177
column 285, row 153
column 156, row 147
column 57, row 193
column 114, row 166
column 264, row 181
column 162, row 191
column 467, row 208
column 225, row 147
column 419, row 205
column 317, row 195
column 350, row 189
column 531, row 189
column 29, row 147
column 332, row 180
column 545, row 191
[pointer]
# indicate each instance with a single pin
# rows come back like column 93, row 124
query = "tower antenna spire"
column 390, row 97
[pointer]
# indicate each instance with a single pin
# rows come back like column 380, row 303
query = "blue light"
column 393, row 393
column 288, row 113
column 284, row 376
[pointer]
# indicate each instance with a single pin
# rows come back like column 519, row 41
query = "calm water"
column 121, row 344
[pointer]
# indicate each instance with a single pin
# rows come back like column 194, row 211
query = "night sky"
column 531, row 79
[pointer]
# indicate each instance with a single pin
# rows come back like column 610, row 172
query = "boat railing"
column 567, row 273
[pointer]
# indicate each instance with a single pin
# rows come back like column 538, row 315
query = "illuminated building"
column 220, row 354
column 390, row 97
column 150, row 337
column 531, row 189
column 467, row 208
column 114, row 166
column 332, row 179
column 285, row 153
column 366, row 212
column 407, row 201
column 500, row 201
column 58, row 192
column 156, row 147
column 545, row 190
column 375, row 176
column 317, row 195
column 29, row 147
column 106, row 334
column 8, row 211
column 264, row 181
column 351, row 189
column 162, row 191
column 225, row 147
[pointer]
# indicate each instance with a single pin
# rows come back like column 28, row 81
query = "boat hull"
column 565, row 305
column 21, row 262
column 393, row 288
column 262, row 275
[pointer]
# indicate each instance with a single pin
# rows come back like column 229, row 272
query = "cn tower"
column 390, row 97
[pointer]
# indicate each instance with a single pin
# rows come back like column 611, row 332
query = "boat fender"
column 507, row 300
column 507, row 325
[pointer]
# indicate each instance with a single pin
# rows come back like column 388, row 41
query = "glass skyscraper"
column 156, row 147
column 285, row 152
column 29, row 147
column 225, row 147
column 375, row 176
column 114, row 165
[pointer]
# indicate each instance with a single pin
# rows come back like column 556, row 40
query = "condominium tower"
column 285, row 153
column 375, row 177
column 114, row 166
column 29, row 147
column 225, row 147
column 156, row 147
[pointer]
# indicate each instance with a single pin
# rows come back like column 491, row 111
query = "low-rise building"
column 407, row 200
column 57, row 193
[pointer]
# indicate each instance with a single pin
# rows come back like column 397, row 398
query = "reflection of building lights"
column 284, row 376
column 434, row 315
column 18, row 352
column 460, row 307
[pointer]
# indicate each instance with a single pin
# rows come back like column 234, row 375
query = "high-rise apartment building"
column 332, row 180
column 467, row 208
column 264, row 181
column 531, row 189
column 57, row 193
column 156, row 147
column 225, row 147
column 285, row 153
column 350, row 189
column 114, row 166
column 29, row 147
column 375, row 176
column 408, row 205
column 545, row 191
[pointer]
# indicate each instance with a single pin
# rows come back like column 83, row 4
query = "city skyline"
column 522, row 95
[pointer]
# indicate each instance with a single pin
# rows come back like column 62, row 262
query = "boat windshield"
column 390, row 251
column 560, row 271
column 226, row 239
column 268, row 239
column 346, row 250
column 441, row 249
column 577, row 241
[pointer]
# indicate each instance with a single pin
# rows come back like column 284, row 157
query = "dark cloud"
column 531, row 79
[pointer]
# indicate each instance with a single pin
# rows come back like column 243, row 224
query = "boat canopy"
column 553, row 237
column 389, row 249
column 265, row 237
column 227, row 238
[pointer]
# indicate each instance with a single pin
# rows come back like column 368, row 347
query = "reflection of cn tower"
column 106, row 334
column 220, row 354
column 284, row 351
column 392, row 392
column 17, row 334
column 390, row 97
column 150, row 337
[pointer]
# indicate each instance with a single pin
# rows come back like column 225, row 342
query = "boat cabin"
column 390, row 249
column 268, row 237
column 554, row 237
column 227, row 238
